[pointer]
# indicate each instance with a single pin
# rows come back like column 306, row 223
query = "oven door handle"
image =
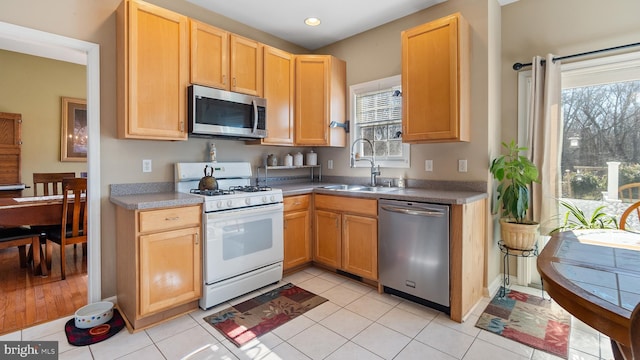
column 255, row 210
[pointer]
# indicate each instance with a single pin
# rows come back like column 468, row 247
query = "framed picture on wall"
column 74, row 135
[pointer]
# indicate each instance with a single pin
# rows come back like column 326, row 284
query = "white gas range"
column 243, row 230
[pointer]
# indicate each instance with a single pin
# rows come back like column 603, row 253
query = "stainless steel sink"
column 360, row 188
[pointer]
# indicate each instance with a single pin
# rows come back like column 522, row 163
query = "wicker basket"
column 519, row 236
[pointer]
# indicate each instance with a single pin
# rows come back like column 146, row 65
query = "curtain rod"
column 517, row 66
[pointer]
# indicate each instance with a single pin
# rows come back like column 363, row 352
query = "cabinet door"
column 320, row 99
column 170, row 269
column 278, row 90
column 327, row 249
column 435, row 81
column 312, row 105
column 297, row 239
column 360, row 246
column 246, row 65
column 209, row 56
column 153, row 55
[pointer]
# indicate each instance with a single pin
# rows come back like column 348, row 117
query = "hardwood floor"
column 26, row 300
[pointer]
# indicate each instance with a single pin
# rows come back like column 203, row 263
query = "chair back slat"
column 51, row 182
column 634, row 332
column 74, row 209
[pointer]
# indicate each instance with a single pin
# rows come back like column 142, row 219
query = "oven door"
column 239, row 241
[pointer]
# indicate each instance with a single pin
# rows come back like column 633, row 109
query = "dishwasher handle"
column 432, row 213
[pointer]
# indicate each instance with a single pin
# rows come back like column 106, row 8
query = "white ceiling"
column 340, row 18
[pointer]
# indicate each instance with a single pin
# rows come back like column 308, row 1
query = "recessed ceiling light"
column 312, row 21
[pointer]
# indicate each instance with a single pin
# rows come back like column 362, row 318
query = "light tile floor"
column 356, row 323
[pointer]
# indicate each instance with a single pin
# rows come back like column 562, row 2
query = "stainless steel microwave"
column 214, row 112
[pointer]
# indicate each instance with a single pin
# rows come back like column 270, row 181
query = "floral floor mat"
column 530, row 320
column 254, row 317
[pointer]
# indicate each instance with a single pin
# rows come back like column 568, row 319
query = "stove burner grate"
column 250, row 188
column 211, row 192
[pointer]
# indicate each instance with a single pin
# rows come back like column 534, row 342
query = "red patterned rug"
column 263, row 313
column 530, row 320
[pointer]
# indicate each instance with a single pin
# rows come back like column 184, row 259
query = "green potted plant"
column 515, row 174
column 575, row 218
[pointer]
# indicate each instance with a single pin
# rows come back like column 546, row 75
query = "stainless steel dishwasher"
column 413, row 251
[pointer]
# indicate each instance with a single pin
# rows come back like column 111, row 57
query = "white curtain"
column 545, row 140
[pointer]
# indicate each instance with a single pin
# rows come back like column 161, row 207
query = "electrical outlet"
column 146, row 166
column 428, row 165
column 462, row 165
column 330, row 164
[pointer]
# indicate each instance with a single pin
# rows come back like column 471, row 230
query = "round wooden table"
column 594, row 275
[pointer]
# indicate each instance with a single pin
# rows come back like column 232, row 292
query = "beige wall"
column 32, row 86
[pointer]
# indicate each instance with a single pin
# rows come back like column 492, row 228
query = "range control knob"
column 264, row 199
column 220, row 204
column 229, row 203
column 247, row 201
column 273, row 198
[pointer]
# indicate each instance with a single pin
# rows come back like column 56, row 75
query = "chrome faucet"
column 375, row 170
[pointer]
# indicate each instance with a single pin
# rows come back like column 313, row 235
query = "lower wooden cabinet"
column 159, row 266
column 297, row 231
column 346, row 234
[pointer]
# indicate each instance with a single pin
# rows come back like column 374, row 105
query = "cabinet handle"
column 285, row 224
column 234, row 82
column 197, row 239
column 181, row 126
column 224, row 79
column 337, row 223
column 174, row 218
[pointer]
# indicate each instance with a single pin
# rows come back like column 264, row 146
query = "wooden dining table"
column 32, row 211
column 594, row 275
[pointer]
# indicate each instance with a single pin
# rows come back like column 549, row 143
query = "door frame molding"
column 39, row 43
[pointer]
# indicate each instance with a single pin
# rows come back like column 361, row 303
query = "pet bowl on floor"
column 94, row 314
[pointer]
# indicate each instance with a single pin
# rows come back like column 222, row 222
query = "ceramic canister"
column 297, row 159
column 288, row 160
column 312, row 158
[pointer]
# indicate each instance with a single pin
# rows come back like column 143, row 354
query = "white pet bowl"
column 94, row 314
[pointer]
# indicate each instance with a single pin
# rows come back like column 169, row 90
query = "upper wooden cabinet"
column 246, row 65
column 152, row 72
column 209, row 55
column 435, row 81
column 320, row 98
column 279, row 92
column 224, row 60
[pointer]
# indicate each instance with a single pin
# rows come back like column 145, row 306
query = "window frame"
column 365, row 87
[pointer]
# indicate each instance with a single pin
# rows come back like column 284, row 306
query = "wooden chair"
column 73, row 208
column 51, row 182
column 629, row 192
column 632, row 213
column 20, row 237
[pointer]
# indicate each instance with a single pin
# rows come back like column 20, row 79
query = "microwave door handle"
column 255, row 115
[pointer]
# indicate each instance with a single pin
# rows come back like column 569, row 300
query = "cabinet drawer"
column 299, row 202
column 347, row 204
column 172, row 218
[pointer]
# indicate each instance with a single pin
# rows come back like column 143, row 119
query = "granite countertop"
column 155, row 200
column 159, row 195
column 414, row 194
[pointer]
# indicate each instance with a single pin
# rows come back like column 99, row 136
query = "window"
column 601, row 127
column 377, row 116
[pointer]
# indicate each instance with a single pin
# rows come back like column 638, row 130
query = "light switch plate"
column 146, row 166
column 462, row 165
column 330, row 164
column 428, row 165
